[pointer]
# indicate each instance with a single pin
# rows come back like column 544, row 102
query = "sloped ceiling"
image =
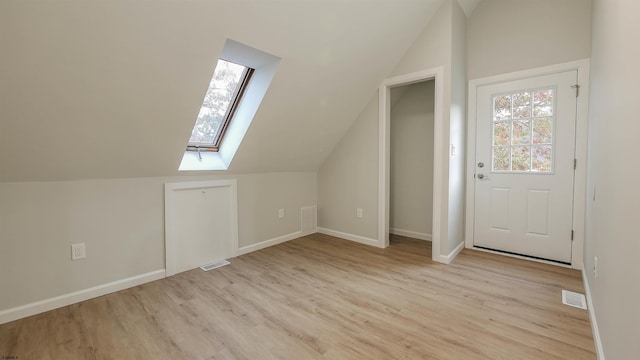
column 108, row 89
column 468, row 6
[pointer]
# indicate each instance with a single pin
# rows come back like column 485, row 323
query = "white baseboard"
column 271, row 242
column 411, row 234
column 446, row 259
column 351, row 237
column 592, row 317
column 77, row 296
column 38, row 307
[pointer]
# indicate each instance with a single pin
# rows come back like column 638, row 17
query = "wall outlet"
column 595, row 266
column 359, row 213
column 78, row 251
column 280, row 213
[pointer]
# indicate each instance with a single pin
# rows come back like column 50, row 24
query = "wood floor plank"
column 70, row 337
column 319, row 297
column 31, row 342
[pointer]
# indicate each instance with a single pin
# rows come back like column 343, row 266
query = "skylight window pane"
column 223, row 90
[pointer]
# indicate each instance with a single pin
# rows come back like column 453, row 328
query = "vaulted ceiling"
column 107, row 89
column 468, row 6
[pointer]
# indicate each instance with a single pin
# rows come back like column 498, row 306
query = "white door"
column 524, row 166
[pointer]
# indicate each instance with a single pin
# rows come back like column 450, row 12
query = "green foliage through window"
column 223, row 95
column 523, row 131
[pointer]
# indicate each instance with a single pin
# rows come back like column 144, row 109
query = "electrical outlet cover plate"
column 78, row 251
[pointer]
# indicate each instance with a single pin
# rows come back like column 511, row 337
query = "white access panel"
column 200, row 223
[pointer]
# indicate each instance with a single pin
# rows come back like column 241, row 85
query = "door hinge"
column 571, row 235
column 577, row 87
column 575, row 163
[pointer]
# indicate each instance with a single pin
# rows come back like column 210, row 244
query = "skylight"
column 220, row 102
column 239, row 83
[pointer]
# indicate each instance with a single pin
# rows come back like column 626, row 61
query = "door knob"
column 481, row 176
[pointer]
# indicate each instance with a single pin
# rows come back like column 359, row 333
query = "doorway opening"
column 384, row 156
column 411, row 161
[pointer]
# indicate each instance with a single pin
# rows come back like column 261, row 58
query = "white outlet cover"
column 78, row 251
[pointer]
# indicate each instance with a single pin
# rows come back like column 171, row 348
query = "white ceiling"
column 107, row 89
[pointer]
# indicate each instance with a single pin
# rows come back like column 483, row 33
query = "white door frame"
column 436, row 74
column 580, row 179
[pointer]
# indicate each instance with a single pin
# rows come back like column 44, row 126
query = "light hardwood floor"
column 319, row 297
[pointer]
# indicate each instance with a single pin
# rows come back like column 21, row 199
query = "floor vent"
column 308, row 219
column 214, row 265
column 574, row 299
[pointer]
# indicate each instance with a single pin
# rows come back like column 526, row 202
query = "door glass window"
column 523, row 131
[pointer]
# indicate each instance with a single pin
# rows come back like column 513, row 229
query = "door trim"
column 580, row 179
column 384, row 126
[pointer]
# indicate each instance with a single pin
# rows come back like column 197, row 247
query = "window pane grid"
column 522, row 132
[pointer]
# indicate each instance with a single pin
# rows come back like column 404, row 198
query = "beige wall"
column 348, row 179
column 612, row 217
column 122, row 223
column 411, row 188
column 114, row 79
column 349, row 176
column 432, row 48
column 444, row 43
column 509, row 35
column 352, row 167
column 261, row 195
